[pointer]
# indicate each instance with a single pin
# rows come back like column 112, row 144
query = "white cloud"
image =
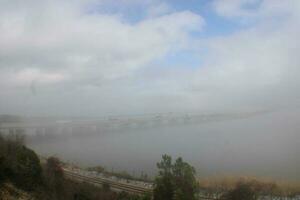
column 28, row 75
column 58, row 44
column 248, row 10
column 255, row 67
column 74, row 58
column 87, row 42
column 236, row 8
column 159, row 9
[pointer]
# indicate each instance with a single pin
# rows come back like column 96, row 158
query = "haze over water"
column 91, row 58
column 266, row 145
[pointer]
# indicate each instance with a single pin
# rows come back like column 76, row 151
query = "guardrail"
column 117, row 186
column 114, row 185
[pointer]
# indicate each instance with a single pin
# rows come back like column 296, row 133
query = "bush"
column 2, row 175
column 98, row 169
column 27, row 172
column 54, row 177
column 175, row 181
column 242, row 191
column 19, row 164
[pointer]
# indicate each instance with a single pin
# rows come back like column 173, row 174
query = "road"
column 114, row 184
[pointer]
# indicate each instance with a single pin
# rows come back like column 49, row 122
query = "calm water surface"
column 265, row 145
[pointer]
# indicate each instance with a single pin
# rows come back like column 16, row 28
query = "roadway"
column 114, row 184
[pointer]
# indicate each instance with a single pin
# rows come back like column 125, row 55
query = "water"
column 267, row 145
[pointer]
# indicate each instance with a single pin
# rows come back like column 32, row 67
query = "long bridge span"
column 76, row 126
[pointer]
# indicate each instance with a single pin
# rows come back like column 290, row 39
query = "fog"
column 78, row 59
column 267, row 145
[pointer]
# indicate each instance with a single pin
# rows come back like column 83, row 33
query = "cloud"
column 237, row 8
column 29, row 75
column 257, row 66
column 58, row 44
column 159, row 9
column 249, row 10
column 74, row 40
column 71, row 57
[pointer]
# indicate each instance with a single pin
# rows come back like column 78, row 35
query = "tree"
column 2, row 156
column 106, row 187
column 164, row 188
column 242, row 191
column 27, row 171
column 54, row 176
column 185, row 181
column 19, row 164
column 175, row 181
column 2, row 175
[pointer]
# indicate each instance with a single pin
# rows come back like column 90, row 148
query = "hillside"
column 23, row 177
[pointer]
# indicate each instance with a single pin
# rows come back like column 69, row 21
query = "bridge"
column 97, row 125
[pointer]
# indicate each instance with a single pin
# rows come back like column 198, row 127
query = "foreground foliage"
column 262, row 186
column 19, row 164
column 23, row 176
column 176, row 181
column 21, row 173
column 122, row 174
column 242, row 191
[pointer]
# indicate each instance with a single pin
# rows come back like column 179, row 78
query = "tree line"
column 176, row 179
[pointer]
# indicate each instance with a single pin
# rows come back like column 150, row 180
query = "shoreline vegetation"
column 263, row 186
column 43, row 178
column 24, row 176
column 119, row 174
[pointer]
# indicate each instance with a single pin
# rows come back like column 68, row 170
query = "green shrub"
column 242, row 191
column 18, row 164
column 98, row 169
column 175, row 181
column 25, row 169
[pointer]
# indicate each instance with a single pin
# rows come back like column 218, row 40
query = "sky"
column 104, row 57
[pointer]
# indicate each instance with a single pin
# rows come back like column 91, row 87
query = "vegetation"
column 98, row 169
column 55, row 177
column 19, row 164
column 122, row 174
column 265, row 187
column 20, row 168
column 175, row 181
column 21, row 174
column 244, row 191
